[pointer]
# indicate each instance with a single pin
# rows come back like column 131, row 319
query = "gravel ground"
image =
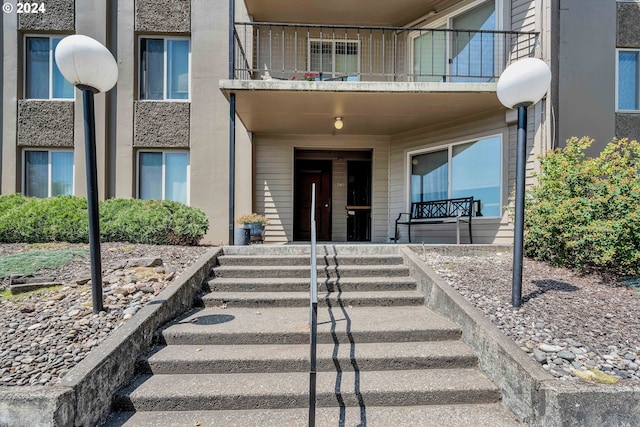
column 44, row 335
column 568, row 322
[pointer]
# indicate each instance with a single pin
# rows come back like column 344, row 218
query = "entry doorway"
column 343, row 194
column 306, row 173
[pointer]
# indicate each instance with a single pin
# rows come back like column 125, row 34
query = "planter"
column 256, row 231
column 241, row 236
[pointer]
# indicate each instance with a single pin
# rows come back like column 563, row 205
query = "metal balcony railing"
column 397, row 54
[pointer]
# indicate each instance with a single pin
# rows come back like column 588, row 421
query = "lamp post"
column 89, row 66
column 522, row 84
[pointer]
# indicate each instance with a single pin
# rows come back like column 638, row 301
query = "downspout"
column 232, row 124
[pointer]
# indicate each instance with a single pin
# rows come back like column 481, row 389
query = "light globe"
column 85, row 62
column 524, row 82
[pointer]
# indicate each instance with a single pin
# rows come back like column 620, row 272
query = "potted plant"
column 255, row 223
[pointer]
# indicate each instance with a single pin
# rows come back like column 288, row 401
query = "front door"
column 306, row 173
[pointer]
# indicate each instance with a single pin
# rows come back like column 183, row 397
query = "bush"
column 584, row 213
column 65, row 218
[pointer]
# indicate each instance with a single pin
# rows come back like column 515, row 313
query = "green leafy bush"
column 65, row 218
column 584, row 212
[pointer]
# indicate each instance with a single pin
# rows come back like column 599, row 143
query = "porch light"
column 89, row 66
column 338, row 123
column 522, row 84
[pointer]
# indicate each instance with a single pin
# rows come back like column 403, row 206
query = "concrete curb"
column 84, row 395
column 532, row 394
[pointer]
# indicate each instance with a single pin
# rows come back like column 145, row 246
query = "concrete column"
column 124, row 158
column 91, row 20
column 9, row 171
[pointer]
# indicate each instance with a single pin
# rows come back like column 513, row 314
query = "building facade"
column 379, row 103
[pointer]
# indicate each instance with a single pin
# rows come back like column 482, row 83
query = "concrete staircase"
column 242, row 360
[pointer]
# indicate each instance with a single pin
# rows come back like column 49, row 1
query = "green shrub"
column 584, row 212
column 65, row 218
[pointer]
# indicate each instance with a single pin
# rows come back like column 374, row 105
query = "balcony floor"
column 368, row 108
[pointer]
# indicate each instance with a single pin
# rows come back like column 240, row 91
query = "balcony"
column 442, row 74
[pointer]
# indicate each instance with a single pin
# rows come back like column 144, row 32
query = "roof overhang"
column 345, row 12
column 367, row 108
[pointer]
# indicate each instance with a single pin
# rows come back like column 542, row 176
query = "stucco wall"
column 163, row 16
column 161, row 124
column 587, row 61
column 628, row 25
column 45, row 123
column 628, row 125
column 59, row 15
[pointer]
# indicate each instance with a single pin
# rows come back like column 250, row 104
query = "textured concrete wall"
column 628, row 25
column 59, row 15
column 161, row 124
column 163, row 16
column 45, row 123
column 628, row 125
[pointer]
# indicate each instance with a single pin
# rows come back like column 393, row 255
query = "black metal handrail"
column 287, row 51
column 313, row 313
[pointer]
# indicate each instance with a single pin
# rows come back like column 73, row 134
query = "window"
column 465, row 54
column 460, row 170
column 338, row 58
column 163, row 176
column 164, row 68
column 48, row 173
column 43, row 79
column 627, row 98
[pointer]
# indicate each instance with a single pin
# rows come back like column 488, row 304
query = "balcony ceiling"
column 345, row 12
column 380, row 109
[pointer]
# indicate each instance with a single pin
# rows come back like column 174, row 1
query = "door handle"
column 326, row 205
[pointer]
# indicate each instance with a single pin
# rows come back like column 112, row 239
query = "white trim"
column 164, row 162
column 25, row 55
column 333, row 42
column 49, row 167
column 165, row 39
column 617, row 72
column 449, row 147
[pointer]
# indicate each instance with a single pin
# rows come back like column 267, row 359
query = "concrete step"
column 483, row 415
column 219, row 359
column 323, row 248
column 304, row 271
column 189, row 392
column 301, row 299
column 303, row 260
column 292, row 284
column 291, row 326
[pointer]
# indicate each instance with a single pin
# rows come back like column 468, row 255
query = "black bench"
column 439, row 212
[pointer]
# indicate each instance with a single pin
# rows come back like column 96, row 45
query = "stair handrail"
column 313, row 313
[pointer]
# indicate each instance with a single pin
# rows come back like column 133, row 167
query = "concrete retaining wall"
column 84, row 395
column 532, row 394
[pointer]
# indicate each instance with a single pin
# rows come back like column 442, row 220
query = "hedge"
column 65, row 218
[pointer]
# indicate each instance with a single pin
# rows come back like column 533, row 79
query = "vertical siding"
column 274, row 162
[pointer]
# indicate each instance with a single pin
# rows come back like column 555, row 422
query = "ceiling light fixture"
column 338, row 123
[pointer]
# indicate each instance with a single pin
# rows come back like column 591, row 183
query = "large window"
column 465, row 55
column 460, row 170
column 627, row 90
column 164, row 68
column 43, row 79
column 48, row 173
column 336, row 59
column 163, row 176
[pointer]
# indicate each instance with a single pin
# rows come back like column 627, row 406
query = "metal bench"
column 440, row 212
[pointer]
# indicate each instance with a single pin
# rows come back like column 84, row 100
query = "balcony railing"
column 397, row 54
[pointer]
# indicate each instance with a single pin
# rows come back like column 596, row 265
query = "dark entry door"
column 306, row 173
